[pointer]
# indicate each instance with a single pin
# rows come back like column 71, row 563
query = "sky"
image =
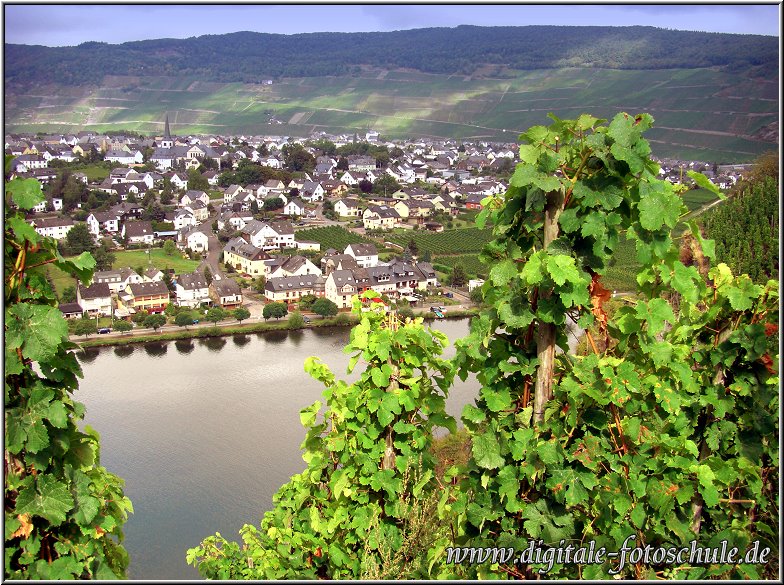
column 57, row 25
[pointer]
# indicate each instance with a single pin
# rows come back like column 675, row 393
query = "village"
column 250, row 239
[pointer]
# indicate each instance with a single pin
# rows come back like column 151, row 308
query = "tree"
column 79, row 239
column 325, row 307
column 458, row 277
column 259, row 283
column 427, row 256
column 476, row 295
column 167, row 192
column 167, row 280
column 273, row 204
column 208, row 274
column 241, row 313
column 385, row 185
column 306, row 301
column 601, row 431
column 215, row 314
column 139, row 316
column 184, row 319
column 196, row 182
column 85, row 326
column 365, row 186
column 412, row 248
column 276, row 310
column 69, row 295
column 401, row 397
column 64, row 512
column 104, row 257
column 296, row 158
column 169, row 247
column 122, row 326
column 296, row 320
column 154, row 321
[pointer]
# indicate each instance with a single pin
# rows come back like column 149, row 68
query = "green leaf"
column 50, row 499
column 503, row 272
column 705, row 183
column 23, row 230
column 658, row 206
column 742, row 294
column 26, row 193
column 562, row 268
column 656, row 312
column 37, row 329
column 487, row 451
column 307, row 416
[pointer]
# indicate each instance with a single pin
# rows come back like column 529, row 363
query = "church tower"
column 167, row 141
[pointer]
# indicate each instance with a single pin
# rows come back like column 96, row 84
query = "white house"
column 54, row 227
column 103, row 220
column 138, row 232
column 340, row 287
column 295, row 207
column 347, row 208
column 192, row 290
column 184, row 218
column 95, row 299
column 270, row 235
column 366, row 255
column 194, row 240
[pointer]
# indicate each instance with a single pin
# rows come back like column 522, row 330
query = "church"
column 169, row 153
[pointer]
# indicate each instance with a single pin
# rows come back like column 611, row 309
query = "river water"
column 205, row 431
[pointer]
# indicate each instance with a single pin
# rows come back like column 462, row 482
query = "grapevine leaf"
column 26, row 193
column 37, row 329
column 49, row 499
column 705, row 183
column 658, row 206
column 487, row 451
column 23, row 230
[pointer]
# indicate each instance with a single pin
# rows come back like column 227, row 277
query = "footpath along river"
column 204, row 431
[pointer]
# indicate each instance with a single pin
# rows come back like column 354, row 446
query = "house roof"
column 306, row 281
column 97, row 290
column 192, row 281
column 248, row 251
column 226, row 287
column 69, row 308
column 139, row 289
column 361, row 250
column 138, row 229
column 46, row 222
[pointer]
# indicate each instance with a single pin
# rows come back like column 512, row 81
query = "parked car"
column 105, row 330
column 306, row 319
column 449, row 295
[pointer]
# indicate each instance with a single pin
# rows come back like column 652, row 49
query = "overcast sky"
column 63, row 25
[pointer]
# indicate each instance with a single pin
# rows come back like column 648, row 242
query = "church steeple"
column 167, row 141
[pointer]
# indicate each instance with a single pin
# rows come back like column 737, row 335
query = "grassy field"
column 157, row 258
column 470, row 262
column 126, row 258
column 331, row 237
column 460, row 241
column 700, row 114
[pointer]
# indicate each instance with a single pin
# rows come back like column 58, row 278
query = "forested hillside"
column 251, row 57
column 746, row 227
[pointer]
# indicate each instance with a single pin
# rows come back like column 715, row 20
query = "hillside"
column 712, row 99
column 249, row 57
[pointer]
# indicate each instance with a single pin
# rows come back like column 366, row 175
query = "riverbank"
column 222, row 330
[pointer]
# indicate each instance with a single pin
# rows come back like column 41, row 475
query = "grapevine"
column 63, row 511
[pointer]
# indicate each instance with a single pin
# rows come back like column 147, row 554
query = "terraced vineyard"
column 331, row 237
column 461, row 241
column 470, row 262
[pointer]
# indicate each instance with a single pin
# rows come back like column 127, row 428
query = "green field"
column 128, row 259
column 461, row 241
column 470, row 262
column 700, row 114
column 331, row 237
column 157, row 258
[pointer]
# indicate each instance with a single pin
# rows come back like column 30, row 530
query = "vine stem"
column 545, row 335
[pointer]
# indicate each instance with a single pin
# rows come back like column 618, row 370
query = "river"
column 205, row 431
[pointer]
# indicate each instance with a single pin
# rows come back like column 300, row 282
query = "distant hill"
column 249, row 57
column 714, row 96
